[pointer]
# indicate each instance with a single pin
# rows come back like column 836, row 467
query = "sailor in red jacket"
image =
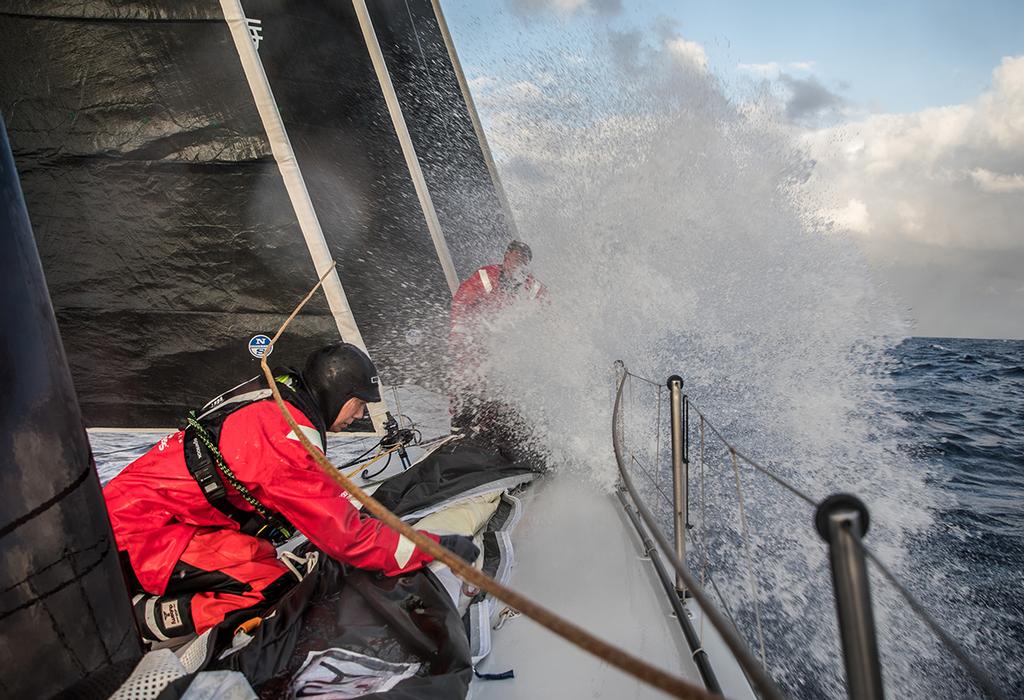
column 494, row 286
column 196, row 518
column 482, row 295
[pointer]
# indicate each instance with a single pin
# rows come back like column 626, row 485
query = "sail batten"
column 294, row 183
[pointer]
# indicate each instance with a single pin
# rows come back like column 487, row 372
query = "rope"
column 366, row 465
column 754, row 671
column 750, row 560
column 979, row 674
column 567, row 630
column 359, row 459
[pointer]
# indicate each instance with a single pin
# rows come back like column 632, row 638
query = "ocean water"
column 962, row 403
column 948, row 412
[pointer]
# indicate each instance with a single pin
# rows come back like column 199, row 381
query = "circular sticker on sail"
column 259, row 345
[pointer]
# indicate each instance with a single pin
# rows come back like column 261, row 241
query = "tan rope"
column 569, row 631
column 750, row 561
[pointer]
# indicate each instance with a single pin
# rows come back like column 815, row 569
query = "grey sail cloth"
column 404, row 620
column 454, row 471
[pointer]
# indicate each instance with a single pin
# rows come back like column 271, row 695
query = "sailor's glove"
column 461, row 545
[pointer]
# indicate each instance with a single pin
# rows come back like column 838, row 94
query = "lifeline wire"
column 569, row 631
column 703, row 526
column 764, row 470
column 979, row 674
column 647, row 473
column 775, row 477
column 755, row 672
column 750, row 560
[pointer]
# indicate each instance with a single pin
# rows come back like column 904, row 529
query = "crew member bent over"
column 197, row 517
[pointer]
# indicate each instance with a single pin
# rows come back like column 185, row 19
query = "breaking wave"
column 668, row 222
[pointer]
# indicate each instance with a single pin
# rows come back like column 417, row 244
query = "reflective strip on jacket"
column 481, row 293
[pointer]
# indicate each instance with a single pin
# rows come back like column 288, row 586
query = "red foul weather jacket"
column 156, row 506
column 481, row 293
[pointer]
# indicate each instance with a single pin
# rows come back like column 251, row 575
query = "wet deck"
column 577, row 554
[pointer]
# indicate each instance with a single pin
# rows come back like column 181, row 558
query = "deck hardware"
column 680, row 471
column 842, row 520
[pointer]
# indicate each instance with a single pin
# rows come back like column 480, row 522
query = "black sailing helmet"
column 338, row 372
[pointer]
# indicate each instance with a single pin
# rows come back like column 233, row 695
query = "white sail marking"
column 405, row 140
column 294, row 183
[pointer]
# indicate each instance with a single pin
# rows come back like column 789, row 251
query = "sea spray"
column 670, row 229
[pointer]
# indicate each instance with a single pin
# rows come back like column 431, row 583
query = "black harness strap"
column 208, row 468
column 202, row 468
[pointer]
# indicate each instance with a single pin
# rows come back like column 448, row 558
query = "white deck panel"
column 577, row 554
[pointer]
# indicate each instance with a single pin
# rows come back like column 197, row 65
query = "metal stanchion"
column 842, row 520
column 679, row 496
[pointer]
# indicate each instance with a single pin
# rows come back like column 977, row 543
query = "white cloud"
column 806, row 66
column 997, row 183
column 927, row 176
column 1001, row 110
column 566, row 7
column 939, row 191
column 851, row 217
column 481, row 82
column 772, row 69
column 763, row 70
column 688, row 52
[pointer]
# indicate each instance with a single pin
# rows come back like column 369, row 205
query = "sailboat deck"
column 577, row 554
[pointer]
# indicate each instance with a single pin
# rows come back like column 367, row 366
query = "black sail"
column 65, row 615
column 164, row 226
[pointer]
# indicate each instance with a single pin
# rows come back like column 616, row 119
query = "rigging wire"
column 977, row 672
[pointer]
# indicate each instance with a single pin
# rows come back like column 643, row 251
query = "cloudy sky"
column 913, row 116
